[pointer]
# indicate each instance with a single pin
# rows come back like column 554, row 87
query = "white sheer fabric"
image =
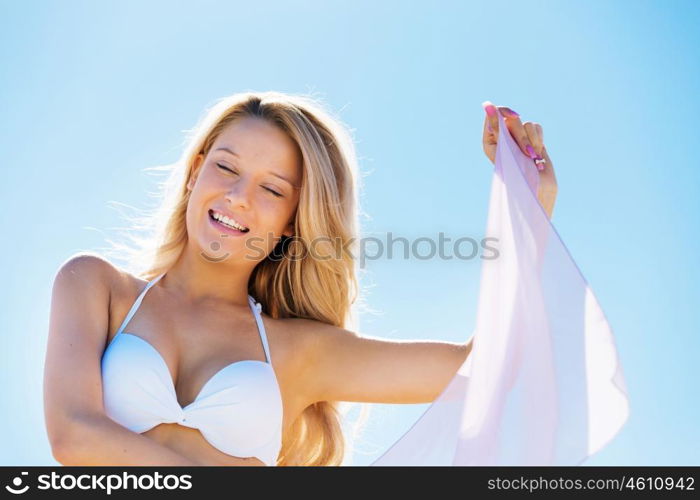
column 543, row 384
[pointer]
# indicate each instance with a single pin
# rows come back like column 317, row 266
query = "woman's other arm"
column 79, row 431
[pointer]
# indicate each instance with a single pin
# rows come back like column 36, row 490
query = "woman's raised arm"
column 530, row 138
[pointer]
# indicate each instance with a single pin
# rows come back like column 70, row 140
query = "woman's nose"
column 239, row 194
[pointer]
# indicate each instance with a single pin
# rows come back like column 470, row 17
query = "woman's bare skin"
column 197, row 340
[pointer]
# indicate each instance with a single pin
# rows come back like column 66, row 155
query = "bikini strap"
column 137, row 303
column 257, row 307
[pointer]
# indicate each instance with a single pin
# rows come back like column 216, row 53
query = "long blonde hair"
column 322, row 289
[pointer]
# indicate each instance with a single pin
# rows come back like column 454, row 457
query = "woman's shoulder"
column 90, row 266
column 301, row 334
column 95, row 270
column 121, row 286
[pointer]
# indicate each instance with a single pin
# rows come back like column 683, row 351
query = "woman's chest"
column 200, row 351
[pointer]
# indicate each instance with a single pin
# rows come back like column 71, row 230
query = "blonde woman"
column 233, row 342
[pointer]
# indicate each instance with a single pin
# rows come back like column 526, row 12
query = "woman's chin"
column 225, row 252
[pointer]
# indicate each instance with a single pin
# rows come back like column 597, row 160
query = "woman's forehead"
column 253, row 140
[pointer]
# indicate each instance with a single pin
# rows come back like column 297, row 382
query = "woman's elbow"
column 65, row 440
column 61, row 455
column 60, row 449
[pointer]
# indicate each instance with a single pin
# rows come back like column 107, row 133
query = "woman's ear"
column 195, row 171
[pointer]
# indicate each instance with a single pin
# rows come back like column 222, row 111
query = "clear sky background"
column 92, row 92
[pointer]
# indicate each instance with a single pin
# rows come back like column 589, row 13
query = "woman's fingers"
column 547, row 178
column 518, row 132
column 491, row 121
column 538, row 127
column 489, row 142
column 528, row 136
column 533, row 134
column 490, row 134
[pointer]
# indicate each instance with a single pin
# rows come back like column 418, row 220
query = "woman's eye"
column 274, row 192
column 225, row 168
column 229, row 170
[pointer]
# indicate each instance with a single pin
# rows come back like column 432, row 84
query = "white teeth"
column 229, row 222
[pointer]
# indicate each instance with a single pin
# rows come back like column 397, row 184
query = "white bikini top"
column 238, row 410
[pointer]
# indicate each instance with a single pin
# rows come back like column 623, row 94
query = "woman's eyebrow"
column 281, row 177
column 230, row 151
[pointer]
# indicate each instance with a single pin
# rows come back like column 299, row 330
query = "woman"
column 232, row 346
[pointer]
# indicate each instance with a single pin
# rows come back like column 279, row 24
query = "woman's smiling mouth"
column 226, row 224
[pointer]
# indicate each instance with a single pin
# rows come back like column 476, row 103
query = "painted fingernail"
column 531, row 152
column 540, row 165
column 511, row 112
column 490, row 110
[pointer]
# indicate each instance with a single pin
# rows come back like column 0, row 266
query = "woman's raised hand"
column 530, row 139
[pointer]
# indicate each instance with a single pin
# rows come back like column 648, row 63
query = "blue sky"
column 94, row 92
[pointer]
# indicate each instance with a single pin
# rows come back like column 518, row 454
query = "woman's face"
column 251, row 174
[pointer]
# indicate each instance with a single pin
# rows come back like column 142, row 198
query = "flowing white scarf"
column 543, row 384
